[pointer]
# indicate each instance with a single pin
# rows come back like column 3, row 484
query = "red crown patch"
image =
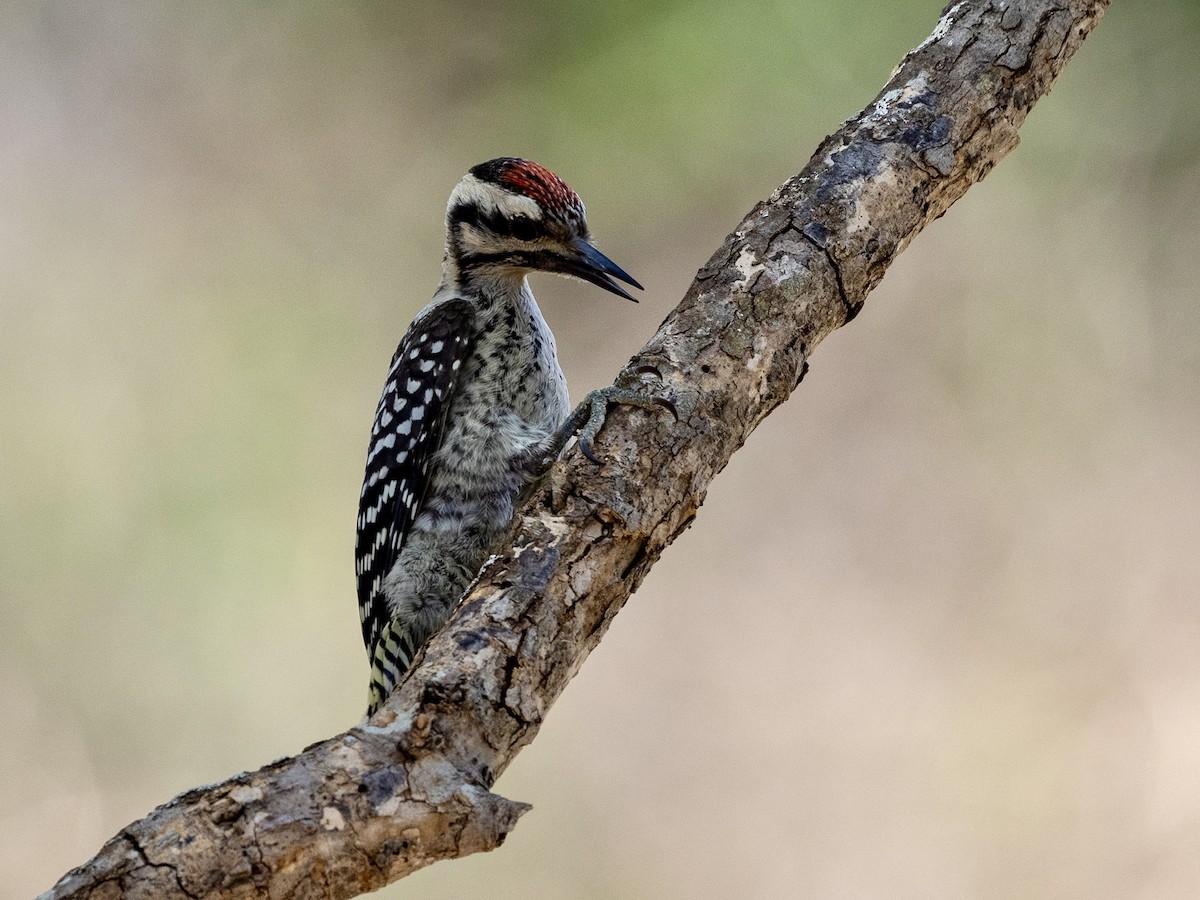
column 538, row 182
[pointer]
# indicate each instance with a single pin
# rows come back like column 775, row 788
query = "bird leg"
column 585, row 423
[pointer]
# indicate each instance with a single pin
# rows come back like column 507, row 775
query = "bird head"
column 508, row 217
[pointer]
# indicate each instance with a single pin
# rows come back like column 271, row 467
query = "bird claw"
column 596, row 407
column 585, row 447
column 584, row 424
column 667, row 403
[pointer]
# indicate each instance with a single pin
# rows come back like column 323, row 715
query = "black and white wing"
column 407, row 432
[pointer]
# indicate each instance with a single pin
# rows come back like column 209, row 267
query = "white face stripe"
column 492, row 199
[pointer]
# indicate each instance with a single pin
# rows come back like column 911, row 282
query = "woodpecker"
column 474, row 407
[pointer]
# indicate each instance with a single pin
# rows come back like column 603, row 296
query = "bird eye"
column 523, row 228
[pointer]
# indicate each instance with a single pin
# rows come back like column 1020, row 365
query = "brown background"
column 933, row 635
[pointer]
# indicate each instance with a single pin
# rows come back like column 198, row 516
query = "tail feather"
column 390, row 659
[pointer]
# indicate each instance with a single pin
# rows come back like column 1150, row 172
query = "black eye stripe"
column 464, row 212
column 521, row 227
column 498, row 224
column 471, row 214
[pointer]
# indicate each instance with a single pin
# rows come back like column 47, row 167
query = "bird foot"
column 589, row 417
column 585, row 423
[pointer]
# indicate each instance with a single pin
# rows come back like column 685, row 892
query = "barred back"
column 407, row 431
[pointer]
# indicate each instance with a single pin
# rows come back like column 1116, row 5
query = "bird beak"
column 586, row 262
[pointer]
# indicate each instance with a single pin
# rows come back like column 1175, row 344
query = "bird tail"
column 390, row 659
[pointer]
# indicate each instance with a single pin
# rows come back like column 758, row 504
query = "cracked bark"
column 369, row 806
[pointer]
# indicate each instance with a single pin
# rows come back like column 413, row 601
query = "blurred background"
column 934, row 633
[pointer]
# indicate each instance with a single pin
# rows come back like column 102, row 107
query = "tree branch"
column 413, row 786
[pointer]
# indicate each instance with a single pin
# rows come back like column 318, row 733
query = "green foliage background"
column 934, row 633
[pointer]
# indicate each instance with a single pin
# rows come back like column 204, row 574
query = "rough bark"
column 369, row 806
